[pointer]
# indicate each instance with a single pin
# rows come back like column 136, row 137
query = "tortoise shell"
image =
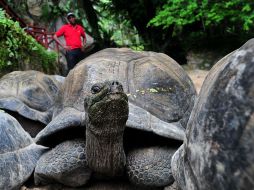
column 153, row 81
column 18, row 153
column 30, row 93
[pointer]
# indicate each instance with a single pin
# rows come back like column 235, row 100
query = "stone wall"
column 203, row 59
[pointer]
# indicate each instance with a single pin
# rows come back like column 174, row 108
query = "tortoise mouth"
column 115, row 98
column 112, row 96
column 116, row 95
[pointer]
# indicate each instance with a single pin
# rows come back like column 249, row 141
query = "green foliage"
column 171, row 13
column 228, row 16
column 16, row 47
column 117, row 26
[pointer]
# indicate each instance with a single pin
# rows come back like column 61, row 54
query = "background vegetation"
column 17, row 49
column 170, row 26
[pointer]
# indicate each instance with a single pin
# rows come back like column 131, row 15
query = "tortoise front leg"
column 150, row 166
column 65, row 164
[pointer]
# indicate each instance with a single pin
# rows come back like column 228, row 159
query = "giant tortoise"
column 31, row 97
column 94, row 112
column 219, row 149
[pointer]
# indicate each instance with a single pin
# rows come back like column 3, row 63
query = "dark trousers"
column 73, row 57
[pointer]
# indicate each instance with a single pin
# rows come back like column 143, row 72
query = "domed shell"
column 153, row 81
column 18, row 153
column 13, row 137
column 219, row 150
column 30, row 93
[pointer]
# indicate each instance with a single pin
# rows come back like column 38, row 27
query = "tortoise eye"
column 95, row 89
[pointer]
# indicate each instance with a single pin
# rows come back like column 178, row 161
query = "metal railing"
column 40, row 34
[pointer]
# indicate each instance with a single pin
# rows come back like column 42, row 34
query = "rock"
column 35, row 7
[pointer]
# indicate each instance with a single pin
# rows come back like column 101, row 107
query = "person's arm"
column 84, row 40
column 60, row 32
column 58, row 41
column 83, row 34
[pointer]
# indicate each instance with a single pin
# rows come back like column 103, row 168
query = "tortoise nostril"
column 115, row 83
column 116, row 86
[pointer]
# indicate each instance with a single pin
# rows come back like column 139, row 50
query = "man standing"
column 72, row 33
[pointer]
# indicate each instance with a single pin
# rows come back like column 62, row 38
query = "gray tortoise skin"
column 54, row 164
column 159, row 163
column 218, row 152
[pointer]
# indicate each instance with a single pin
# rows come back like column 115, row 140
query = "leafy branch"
column 17, row 47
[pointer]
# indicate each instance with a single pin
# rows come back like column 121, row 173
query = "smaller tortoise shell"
column 30, row 93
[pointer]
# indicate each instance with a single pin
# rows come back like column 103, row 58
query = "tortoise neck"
column 105, row 153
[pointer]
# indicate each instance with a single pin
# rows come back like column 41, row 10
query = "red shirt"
column 72, row 35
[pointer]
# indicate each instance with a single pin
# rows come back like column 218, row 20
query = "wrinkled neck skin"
column 104, row 149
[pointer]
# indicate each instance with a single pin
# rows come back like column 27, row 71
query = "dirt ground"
column 198, row 77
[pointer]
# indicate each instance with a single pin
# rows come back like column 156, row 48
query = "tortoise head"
column 107, row 112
